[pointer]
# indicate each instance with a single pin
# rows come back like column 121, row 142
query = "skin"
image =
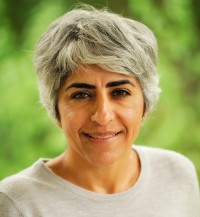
column 100, row 114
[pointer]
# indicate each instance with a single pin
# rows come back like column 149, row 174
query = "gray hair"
column 87, row 36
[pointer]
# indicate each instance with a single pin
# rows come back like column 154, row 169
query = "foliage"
column 26, row 133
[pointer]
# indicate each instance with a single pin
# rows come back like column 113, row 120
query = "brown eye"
column 80, row 95
column 120, row 93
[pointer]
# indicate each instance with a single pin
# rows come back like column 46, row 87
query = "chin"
column 104, row 159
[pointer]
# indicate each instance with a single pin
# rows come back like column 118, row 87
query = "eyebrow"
column 90, row 86
column 118, row 83
column 81, row 85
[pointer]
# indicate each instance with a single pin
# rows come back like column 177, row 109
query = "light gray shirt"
column 167, row 187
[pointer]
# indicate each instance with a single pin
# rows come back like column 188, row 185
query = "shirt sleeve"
column 8, row 207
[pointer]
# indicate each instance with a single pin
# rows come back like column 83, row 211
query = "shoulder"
column 17, row 185
column 170, row 177
column 169, row 163
column 166, row 157
column 12, row 191
column 13, row 185
column 8, row 208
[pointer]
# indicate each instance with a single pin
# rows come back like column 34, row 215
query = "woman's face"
column 101, row 113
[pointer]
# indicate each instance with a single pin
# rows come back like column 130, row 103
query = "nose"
column 103, row 111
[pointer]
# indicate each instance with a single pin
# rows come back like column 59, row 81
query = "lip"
column 106, row 137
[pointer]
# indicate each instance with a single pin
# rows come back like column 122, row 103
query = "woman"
column 97, row 79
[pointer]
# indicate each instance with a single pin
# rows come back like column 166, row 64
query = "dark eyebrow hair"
column 90, row 86
column 81, row 85
column 118, row 83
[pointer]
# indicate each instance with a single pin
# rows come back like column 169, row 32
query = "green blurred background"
column 27, row 133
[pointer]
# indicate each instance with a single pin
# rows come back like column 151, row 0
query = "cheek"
column 71, row 122
column 135, row 109
column 132, row 117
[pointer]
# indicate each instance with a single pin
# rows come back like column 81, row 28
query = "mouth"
column 102, row 137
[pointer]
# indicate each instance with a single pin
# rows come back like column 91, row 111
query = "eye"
column 80, row 95
column 120, row 93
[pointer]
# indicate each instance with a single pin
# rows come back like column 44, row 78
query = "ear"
column 145, row 114
column 57, row 117
column 58, row 123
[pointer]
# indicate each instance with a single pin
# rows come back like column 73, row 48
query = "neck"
column 110, row 179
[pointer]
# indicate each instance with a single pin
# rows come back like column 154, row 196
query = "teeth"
column 101, row 136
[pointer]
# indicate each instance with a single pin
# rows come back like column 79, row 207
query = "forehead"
column 96, row 75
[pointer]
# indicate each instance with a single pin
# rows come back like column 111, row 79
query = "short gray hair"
column 87, row 36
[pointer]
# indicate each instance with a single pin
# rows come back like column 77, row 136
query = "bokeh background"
column 27, row 133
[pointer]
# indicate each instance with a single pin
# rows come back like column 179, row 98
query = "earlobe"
column 144, row 116
column 145, row 112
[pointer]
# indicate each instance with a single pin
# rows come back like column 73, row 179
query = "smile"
column 102, row 137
